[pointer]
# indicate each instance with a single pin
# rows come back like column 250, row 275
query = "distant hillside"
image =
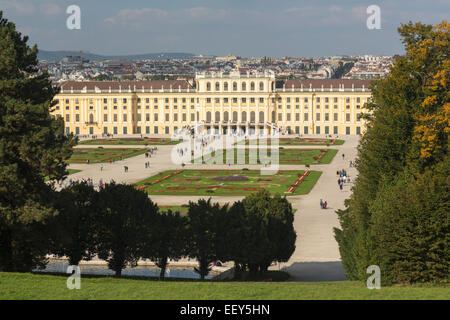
column 58, row 55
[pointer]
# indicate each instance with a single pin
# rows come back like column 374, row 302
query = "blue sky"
column 250, row 28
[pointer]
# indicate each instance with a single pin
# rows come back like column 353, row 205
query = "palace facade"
column 216, row 102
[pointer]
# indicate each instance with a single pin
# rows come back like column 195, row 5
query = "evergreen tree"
column 127, row 218
column 75, row 225
column 203, row 219
column 32, row 146
column 168, row 240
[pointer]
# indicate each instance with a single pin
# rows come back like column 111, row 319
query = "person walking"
column 321, row 203
column 325, row 204
column 101, row 167
column 343, row 156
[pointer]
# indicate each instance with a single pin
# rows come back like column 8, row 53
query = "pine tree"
column 32, row 146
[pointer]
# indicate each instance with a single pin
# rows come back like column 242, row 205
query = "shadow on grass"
column 316, row 271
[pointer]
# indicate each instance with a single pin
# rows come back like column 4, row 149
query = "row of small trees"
column 121, row 225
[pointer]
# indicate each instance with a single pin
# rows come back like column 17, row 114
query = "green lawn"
column 71, row 171
column 226, row 182
column 183, row 210
column 98, row 155
column 285, row 156
column 22, row 286
column 131, row 141
column 300, row 142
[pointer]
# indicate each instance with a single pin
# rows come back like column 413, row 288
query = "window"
column 225, row 86
column 318, row 99
column 105, row 130
column 167, row 117
column 192, row 116
column 147, row 117
column 124, row 100
column 280, row 116
column 305, row 130
column 327, row 117
column 208, row 86
column 115, row 130
column 156, row 129
column 305, row 117
column 297, row 117
column 347, row 117
column 252, row 86
column 125, row 117
column 105, row 117
column 335, row 115
column 327, row 130
column 305, row 100
column 138, row 117
column 125, row 130
column 234, row 86
column 261, row 86
column 77, row 118
column 105, row 100
column 318, row 130
column 317, row 116
column 67, row 117
column 147, row 129
column 155, row 117
column 347, row 100
column 175, row 117
column 261, row 100
column 347, row 130
column 335, row 100
column 115, row 117
column 358, row 116
column 288, row 117
column 335, row 130
column 244, row 86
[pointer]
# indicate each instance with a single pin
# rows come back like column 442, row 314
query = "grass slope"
column 43, row 287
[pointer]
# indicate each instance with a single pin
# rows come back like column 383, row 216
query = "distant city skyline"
column 251, row 28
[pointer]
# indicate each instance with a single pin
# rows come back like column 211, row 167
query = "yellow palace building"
column 222, row 102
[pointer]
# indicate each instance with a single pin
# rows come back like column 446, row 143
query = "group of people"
column 323, row 204
column 344, row 177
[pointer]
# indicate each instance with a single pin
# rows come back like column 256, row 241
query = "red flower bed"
column 296, row 183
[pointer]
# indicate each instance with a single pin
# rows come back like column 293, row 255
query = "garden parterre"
column 101, row 155
column 297, row 142
column 227, row 182
column 131, row 141
column 285, row 156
